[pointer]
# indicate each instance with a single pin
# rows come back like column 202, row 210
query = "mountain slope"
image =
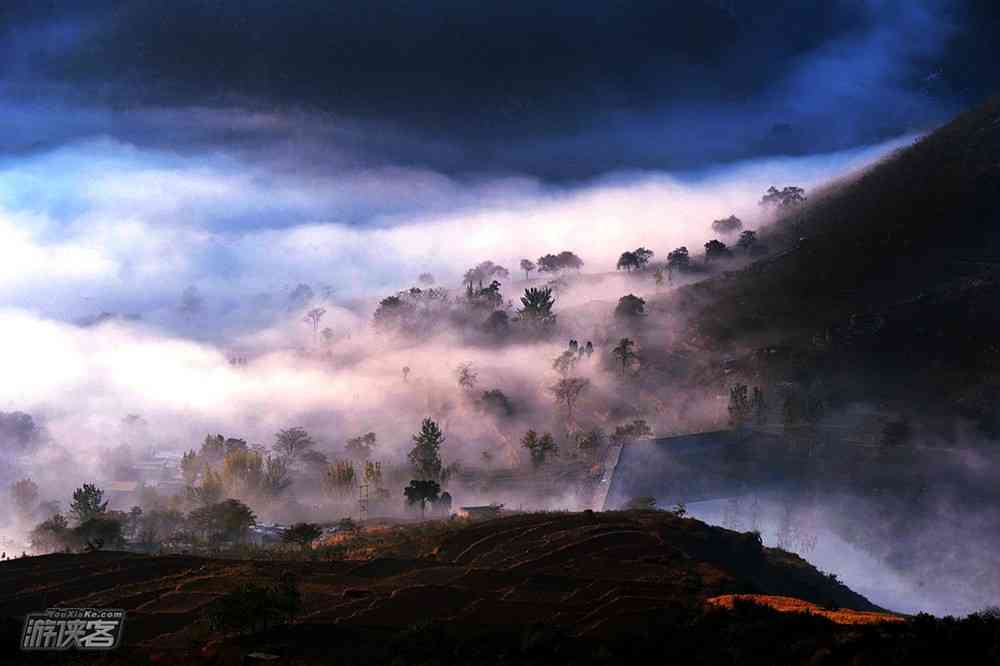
column 888, row 285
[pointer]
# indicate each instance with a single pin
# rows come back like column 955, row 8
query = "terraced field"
column 593, row 576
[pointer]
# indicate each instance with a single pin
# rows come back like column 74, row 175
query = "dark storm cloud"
column 557, row 89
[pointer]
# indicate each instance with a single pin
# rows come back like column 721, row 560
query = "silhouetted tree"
column 747, row 239
column 426, row 279
column 642, row 257
column 301, row 296
column 425, row 456
column 716, row 249
column 786, row 197
column 229, row 520
column 406, row 373
column 290, row 443
column 630, row 307
column 420, row 492
column 361, row 447
column 625, row 352
column 627, row 262
column 88, row 502
column 313, row 318
column 566, row 259
column 728, row 225
column 678, row 260
column 527, row 266
column 497, row 403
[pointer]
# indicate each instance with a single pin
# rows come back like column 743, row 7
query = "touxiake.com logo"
column 79, row 628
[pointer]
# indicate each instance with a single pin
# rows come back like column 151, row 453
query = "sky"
column 246, row 147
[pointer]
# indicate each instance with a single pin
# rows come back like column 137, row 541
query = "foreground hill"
column 530, row 588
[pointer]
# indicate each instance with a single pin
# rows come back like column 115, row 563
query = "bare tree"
column 527, row 266
column 567, row 391
column 313, row 318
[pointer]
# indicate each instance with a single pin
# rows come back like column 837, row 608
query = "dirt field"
column 592, row 576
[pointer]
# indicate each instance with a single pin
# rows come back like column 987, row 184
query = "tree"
column 678, row 260
column 302, row 534
column 642, row 257
column 88, row 502
column 630, row 307
column 290, row 443
column 276, row 478
column 229, row 520
column 242, row 472
column 627, row 261
column 497, row 324
column 549, row 263
column 527, row 266
column 313, row 318
column 486, row 270
column 361, row 447
column 565, row 362
column 99, row 531
column 301, row 296
column 496, row 402
column 211, row 489
column 728, row 225
column 629, row 432
column 425, row 456
column 421, row 491
column 467, row 377
column 567, row 391
column 567, row 259
column 537, row 307
column 19, row 432
column 341, row 478
column 786, row 197
column 426, row 278
column 540, row 448
column 747, row 240
column 716, row 249
column 406, row 373
column 24, row 496
column 51, row 535
column 625, row 352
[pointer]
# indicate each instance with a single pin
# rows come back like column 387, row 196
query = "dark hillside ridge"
column 890, row 284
